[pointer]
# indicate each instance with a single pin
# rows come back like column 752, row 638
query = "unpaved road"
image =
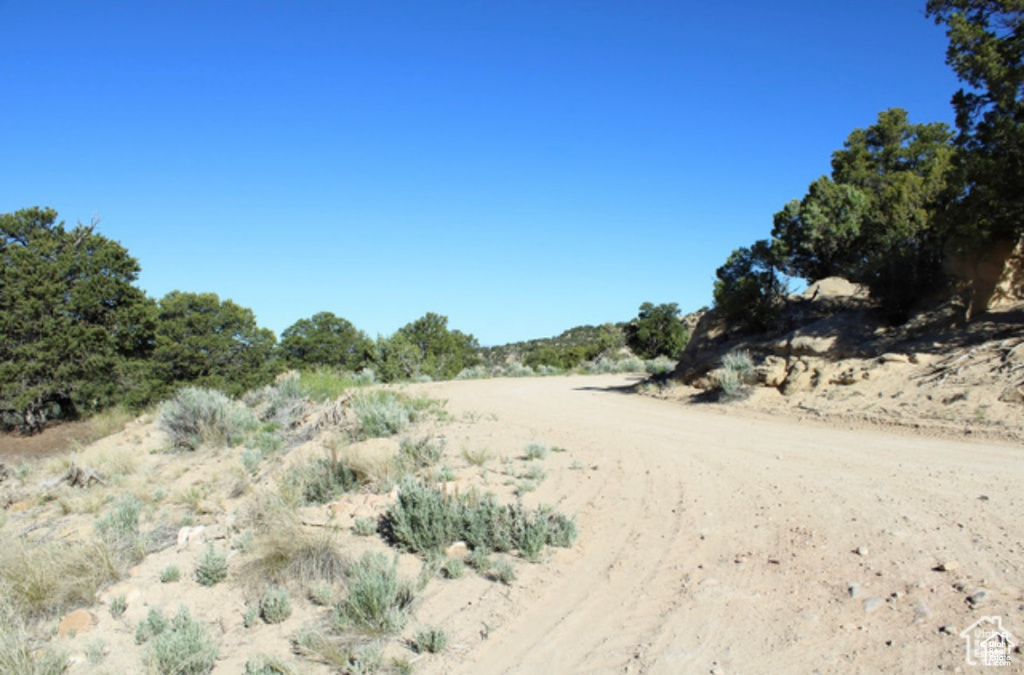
column 713, row 541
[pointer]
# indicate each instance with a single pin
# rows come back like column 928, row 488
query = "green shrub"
column 381, row 412
column 630, row 365
column 423, row 519
column 377, row 602
column 275, row 605
column 184, row 648
column 503, row 572
column 212, row 567
column 328, row 384
column 561, row 530
column 533, row 538
column 479, row 560
column 519, row 370
column 453, row 568
column 364, row 527
column 736, row 373
column 322, row 479
column 426, row 520
column 430, row 640
column 537, row 451
column 251, row 459
column 118, row 605
column 321, row 593
column 195, row 417
column 267, row 665
column 170, row 574
column 474, row 373
column 477, row 457
column 154, row 624
column 661, row 365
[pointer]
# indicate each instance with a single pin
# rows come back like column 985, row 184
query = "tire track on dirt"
column 712, row 541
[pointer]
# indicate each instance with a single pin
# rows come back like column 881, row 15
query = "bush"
column 630, row 365
column 381, row 413
column 736, row 373
column 503, row 572
column 196, row 417
column 364, row 527
column 426, row 520
column 183, row 648
column 536, row 451
column 267, row 665
column 378, row 602
column 322, row 479
column 118, row 605
column 453, row 568
column 170, row 574
column 212, row 567
column 474, row 373
column 519, row 370
column 430, row 640
column 423, row 519
column 657, row 331
column 154, row 624
column 659, row 366
column 275, row 606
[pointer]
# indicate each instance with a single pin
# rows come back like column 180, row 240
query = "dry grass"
column 46, row 578
column 287, row 553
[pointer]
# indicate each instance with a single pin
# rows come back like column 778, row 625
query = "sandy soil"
column 718, row 542
column 713, row 539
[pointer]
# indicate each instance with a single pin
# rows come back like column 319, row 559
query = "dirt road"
column 714, row 541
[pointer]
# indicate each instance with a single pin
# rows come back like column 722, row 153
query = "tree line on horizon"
column 906, row 203
column 78, row 336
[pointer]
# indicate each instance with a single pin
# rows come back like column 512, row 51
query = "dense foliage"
column 206, row 342
column 657, row 331
column 902, row 197
column 566, row 350
column 749, row 288
column 425, row 348
column 73, row 323
column 986, row 50
column 325, row 340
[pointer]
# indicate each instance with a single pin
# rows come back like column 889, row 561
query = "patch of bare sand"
column 716, row 541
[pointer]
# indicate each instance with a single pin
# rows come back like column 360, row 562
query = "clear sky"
column 522, row 167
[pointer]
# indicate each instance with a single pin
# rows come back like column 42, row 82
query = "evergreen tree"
column 74, row 326
column 203, row 341
column 325, row 340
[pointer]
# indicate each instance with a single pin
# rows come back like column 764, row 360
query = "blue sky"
column 521, row 167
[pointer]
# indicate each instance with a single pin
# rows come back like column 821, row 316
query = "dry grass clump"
column 40, row 579
column 287, row 553
column 18, row 652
